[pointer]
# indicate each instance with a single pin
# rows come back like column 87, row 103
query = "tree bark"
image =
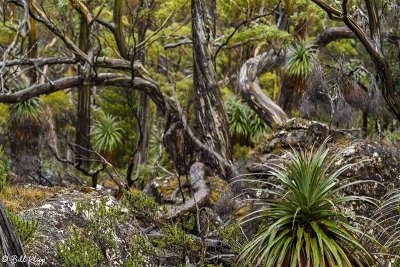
column 32, row 46
column 141, row 151
column 211, row 122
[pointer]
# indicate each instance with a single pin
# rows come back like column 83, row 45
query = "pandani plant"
column 303, row 224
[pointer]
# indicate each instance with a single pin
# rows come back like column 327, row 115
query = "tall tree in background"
column 372, row 39
column 141, row 151
column 84, row 92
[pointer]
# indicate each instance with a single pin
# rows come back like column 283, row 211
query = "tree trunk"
column 290, row 93
column 141, row 152
column 10, row 243
column 83, row 116
column 32, row 47
column 211, row 122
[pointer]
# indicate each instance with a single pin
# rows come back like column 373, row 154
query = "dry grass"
column 19, row 198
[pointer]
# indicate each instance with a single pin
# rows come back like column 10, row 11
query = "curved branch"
column 333, row 34
column 251, row 91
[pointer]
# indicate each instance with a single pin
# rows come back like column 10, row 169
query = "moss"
column 233, row 235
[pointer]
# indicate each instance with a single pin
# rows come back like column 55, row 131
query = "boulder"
column 58, row 217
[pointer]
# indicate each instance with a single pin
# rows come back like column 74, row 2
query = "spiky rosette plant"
column 245, row 126
column 302, row 57
column 106, row 135
column 303, row 224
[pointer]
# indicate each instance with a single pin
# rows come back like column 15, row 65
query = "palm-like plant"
column 27, row 110
column 302, row 57
column 106, row 134
column 245, row 126
column 303, row 224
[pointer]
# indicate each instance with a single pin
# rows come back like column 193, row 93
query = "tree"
column 211, row 122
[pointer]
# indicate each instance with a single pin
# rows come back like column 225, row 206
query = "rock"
column 57, row 218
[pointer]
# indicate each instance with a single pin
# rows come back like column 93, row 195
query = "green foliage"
column 233, row 236
column 245, row 126
column 342, row 47
column 142, row 252
column 30, row 109
column 106, row 133
column 258, row 33
column 95, row 240
column 302, row 58
column 240, row 152
column 3, row 169
column 175, row 237
column 79, row 251
column 142, row 205
column 303, row 224
column 25, row 229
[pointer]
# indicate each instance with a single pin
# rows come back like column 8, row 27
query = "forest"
column 200, row 133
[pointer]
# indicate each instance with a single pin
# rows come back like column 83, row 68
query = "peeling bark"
column 211, row 121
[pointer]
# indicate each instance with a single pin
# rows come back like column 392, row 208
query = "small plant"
column 233, row 236
column 3, row 170
column 246, row 127
column 302, row 58
column 142, row 205
column 142, row 252
column 303, row 224
column 106, row 134
column 25, row 229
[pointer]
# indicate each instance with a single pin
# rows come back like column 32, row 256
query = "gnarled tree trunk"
column 211, row 122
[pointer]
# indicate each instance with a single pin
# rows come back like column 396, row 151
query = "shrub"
column 79, row 251
column 95, row 243
column 303, row 224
